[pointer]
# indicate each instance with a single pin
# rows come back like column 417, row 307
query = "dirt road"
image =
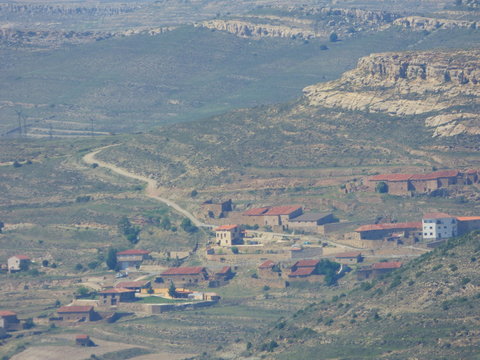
column 151, row 190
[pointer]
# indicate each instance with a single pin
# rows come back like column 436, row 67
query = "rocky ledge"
column 443, row 87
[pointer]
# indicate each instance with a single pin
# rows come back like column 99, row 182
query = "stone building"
column 228, row 235
column 132, row 258
column 9, row 321
column 272, row 215
column 76, row 313
column 112, row 297
column 185, row 275
column 216, row 209
column 18, row 263
column 376, row 270
column 310, row 221
column 352, row 257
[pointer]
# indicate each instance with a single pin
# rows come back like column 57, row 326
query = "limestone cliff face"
column 420, row 23
column 441, row 86
column 303, row 24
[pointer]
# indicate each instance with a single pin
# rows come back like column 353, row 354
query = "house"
column 266, row 270
column 304, row 269
column 185, row 275
column 378, row 269
column 216, row 209
column 76, row 313
column 272, row 215
column 132, row 258
column 18, row 263
column 301, row 273
column 228, row 235
column 466, row 224
column 305, row 264
column 83, row 340
column 133, row 285
column 352, row 257
column 471, row 177
column 111, row 297
column 310, row 221
column 437, row 226
column 381, row 231
column 406, row 184
column 9, row 321
column 224, row 274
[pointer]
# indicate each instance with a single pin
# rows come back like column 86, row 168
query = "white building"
column 437, row 226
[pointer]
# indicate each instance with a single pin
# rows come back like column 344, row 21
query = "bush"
column 333, row 37
column 78, row 267
column 235, row 250
column 83, row 199
column 44, row 263
column 187, row 226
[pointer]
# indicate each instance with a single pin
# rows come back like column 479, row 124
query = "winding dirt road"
column 151, row 190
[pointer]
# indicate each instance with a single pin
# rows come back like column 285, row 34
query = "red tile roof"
column 304, row 271
column 74, row 309
column 436, row 215
column 21, row 257
column 267, row 265
column 194, row 270
column 256, row 211
column 306, row 263
column 347, row 255
column 82, row 337
column 387, row 265
column 471, row 171
column 390, row 226
column 468, row 218
column 133, row 252
column 226, row 227
column 282, row 210
column 391, row 177
column 131, row 284
column 116, row 291
column 224, row 270
column 7, row 313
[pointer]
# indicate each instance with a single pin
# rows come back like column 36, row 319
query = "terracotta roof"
column 471, row 171
column 282, row 210
column 133, row 252
column 223, row 270
column 116, row 291
column 347, row 255
column 131, row 284
column 390, row 226
column 304, row 271
column 387, row 265
column 391, row 177
column 7, row 313
column 436, row 215
column 226, row 227
column 74, row 309
column 266, row 265
column 435, row 175
column 306, row 263
column 310, row 217
column 21, row 257
column 82, row 337
column 184, row 271
column 256, row 211
column 468, row 218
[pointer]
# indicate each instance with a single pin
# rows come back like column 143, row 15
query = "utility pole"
column 19, row 115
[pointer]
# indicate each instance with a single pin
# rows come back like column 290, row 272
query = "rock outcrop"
column 420, row 23
column 304, row 23
column 441, row 86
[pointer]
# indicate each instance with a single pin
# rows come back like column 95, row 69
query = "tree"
column 123, row 225
column 2, row 225
column 381, row 187
column 333, row 37
column 165, row 223
column 111, row 259
column 172, row 290
column 235, row 250
column 44, row 263
column 194, row 193
column 187, row 226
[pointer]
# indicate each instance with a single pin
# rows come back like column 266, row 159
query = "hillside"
column 425, row 310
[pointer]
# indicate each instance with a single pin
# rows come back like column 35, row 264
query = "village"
column 279, row 245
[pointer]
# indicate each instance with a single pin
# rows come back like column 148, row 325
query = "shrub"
column 235, row 250
column 333, row 37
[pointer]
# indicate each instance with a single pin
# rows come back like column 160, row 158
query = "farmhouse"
column 310, row 221
column 437, row 226
column 185, row 275
column 228, row 235
column 272, row 215
column 76, row 313
column 111, row 297
column 83, row 340
column 216, row 209
column 9, row 321
column 467, row 224
column 352, row 257
column 133, row 285
column 406, row 184
column 18, row 263
column 378, row 269
column 132, row 258
column 224, row 274
column 305, row 270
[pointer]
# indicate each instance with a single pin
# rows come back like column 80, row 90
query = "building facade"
column 228, row 235
column 18, row 263
column 437, row 226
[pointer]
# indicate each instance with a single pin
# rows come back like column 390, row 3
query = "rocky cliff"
column 420, row 23
column 304, row 23
column 443, row 87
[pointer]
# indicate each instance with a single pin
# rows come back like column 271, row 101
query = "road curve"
column 151, row 190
